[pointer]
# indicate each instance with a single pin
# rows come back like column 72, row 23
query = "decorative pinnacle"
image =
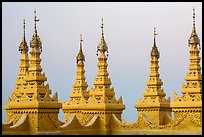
column 35, row 21
column 23, row 46
column 102, row 26
column 80, row 56
column 155, row 33
column 102, row 47
column 81, row 40
column 155, row 51
column 24, row 28
column 194, row 39
column 193, row 17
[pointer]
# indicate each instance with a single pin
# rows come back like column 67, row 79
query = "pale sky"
column 128, row 30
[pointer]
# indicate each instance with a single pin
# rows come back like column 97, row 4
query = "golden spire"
column 194, row 39
column 23, row 46
column 36, row 42
column 80, row 86
column 154, row 73
column 80, row 57
column 102, row 47
column 194, row 74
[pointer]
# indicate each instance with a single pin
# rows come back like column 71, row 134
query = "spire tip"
column 81, row 40
column 102, row 25
column 193, row 17
column 155, row 33
column 35, row 22
column 24, row 27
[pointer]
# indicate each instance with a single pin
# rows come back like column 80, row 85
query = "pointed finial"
column 194, row 39
column 155, row 33
column 193, row 17
column 81, row 40
column 35, row 21
column 23, row 46
column 80, row 56
column 24, row 27
column 155, row 51
column 102, row 25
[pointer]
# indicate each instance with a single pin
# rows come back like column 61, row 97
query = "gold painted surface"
column 31, row 110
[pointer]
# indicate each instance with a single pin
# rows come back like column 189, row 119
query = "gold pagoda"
column 155, row 107
column 98, row 104
column 189, row 106
column 31, row 110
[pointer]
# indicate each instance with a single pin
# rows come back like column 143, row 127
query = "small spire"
column 102, row 25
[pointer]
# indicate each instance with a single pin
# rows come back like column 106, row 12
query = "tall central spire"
column 102, row 81
column 36, row 49
column 35, row 75
column 103, row 91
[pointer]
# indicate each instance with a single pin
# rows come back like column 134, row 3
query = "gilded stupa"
column 189, row 106
column 31, row 110
column 154, row 105
column 98, row 103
